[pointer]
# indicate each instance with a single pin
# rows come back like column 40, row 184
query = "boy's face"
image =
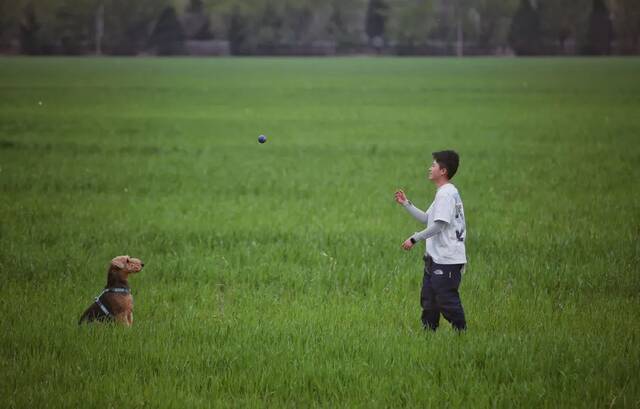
column 436, row 172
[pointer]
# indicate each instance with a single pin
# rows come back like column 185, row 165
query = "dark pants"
column 440, row 295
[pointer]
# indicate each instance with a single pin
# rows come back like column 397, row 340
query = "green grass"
column 274, row 275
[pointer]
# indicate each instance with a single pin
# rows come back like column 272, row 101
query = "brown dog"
column 115, row 302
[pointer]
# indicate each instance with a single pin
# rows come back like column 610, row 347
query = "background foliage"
column 346, row 26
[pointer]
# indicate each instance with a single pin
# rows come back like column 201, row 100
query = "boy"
column 445, row 256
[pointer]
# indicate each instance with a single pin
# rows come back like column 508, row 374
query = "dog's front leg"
column 123, row 319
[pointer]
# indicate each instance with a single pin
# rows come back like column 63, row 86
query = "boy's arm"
column 417, row 214
column 430, row 231
column 413, row 211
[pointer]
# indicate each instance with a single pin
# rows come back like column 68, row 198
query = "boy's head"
column 445, row 165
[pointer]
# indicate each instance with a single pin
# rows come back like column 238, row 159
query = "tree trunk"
column 460, row 39
column 99, row 28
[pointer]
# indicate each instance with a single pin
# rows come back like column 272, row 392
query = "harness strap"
column 110, row 290
column 103, row 307
column 116, row 290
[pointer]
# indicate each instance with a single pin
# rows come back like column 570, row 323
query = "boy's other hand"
column 407, row 245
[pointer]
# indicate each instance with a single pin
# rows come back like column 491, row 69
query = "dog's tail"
column 84, row 318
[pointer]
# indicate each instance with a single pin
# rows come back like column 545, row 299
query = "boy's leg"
column 446, row 285
column 430, row 310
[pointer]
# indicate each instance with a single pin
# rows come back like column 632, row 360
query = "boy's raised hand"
column 401, row 198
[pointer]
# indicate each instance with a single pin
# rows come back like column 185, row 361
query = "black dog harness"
column 110, row 290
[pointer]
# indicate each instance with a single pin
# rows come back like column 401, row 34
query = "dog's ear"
column 119, row 262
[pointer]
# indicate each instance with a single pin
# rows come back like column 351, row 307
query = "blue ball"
column 262, row 139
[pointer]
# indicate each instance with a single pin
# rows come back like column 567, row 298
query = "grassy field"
column 274, row 275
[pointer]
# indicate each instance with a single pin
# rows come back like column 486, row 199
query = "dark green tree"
column 626, row 18
column 600, row 32
column 127, row 24
column 344, row 23
column 168, row 37
column 562, row 21
column 410, row 23
column 375, row 18
column 267, row 32
column 525, row 35
column 10, row 12
column 29, row 27
column 495, row 17
column 73, row 27
column 196, row 24
column 237, row 33
column 195, row 6
column 298, row 16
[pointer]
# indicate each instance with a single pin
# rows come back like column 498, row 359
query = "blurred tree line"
column 435, row 27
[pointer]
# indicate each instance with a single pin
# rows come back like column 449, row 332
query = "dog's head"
column 122, row 266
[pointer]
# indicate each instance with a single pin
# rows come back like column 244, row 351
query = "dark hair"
column 448, row 160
